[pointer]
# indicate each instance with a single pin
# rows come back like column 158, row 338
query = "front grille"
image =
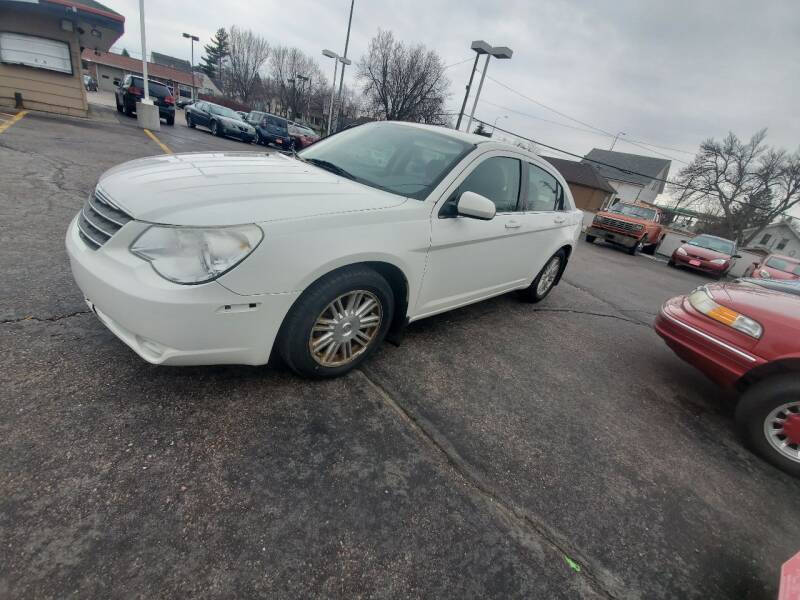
column 100, row 219
column 618, row 224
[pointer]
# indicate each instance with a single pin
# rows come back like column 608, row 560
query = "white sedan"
column 225, row 257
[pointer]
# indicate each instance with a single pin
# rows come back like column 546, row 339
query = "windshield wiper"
column 329, row 166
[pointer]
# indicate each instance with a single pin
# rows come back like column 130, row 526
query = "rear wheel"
column 128, row 108
column 189, row 122
column 768, row 416
column 214, row 128
column 116, row 101
column 171, row 120
column 671, row 263
column 590, row 238
column 546, row 279
column 650, row 250
column 337, row 323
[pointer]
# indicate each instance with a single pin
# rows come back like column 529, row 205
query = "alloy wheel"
column 548, row 277
column 782, row 430
column 345, row 328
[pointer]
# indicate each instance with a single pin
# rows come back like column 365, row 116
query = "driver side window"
column 497, row 179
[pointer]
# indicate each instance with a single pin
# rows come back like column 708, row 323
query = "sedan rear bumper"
column 167, row 323
column 720, row 360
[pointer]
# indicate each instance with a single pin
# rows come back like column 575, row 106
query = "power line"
column 459, row 63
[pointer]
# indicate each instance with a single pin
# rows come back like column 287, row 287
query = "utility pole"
column 344, row 63
column 466, row 94
column 144, row 53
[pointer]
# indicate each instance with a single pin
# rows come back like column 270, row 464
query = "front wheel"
column 171, row 120
column 214, row 128
column 337, row 323
column 768, row 416
column 590, row 238
column 637, row 247
column 189, row 122
column 546, row 279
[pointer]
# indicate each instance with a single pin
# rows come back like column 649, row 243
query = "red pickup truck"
column 634, row 226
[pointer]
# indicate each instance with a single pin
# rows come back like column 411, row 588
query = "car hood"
column 626, row 218
column 759, row 303
column 231, row 188
column 704, row 253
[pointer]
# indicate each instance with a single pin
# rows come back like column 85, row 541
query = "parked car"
column 302, row 136
column 184, row 102
column 633, row 226
column 90, row 83
column 744, row 335
column 707, row 253
column 221, row 120
column 220, row 257
column 271, row 129
column 775, row 266
column 131, row 90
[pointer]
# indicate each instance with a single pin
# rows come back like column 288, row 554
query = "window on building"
column 765, row 239
column 782, row 244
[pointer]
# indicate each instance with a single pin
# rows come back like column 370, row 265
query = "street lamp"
column 305, row 87
column 494, row 125
column 193, row 39
column 481, row 47
column 345, row 61
column 616, row 137
column 344, row 64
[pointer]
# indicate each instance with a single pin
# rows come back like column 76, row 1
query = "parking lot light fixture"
column 193, row 39
column 479, row 47
column 338, row 59
column 497, row 52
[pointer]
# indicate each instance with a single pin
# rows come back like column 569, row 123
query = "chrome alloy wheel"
column 782, row 428
column 345, row 328
column 549, row 274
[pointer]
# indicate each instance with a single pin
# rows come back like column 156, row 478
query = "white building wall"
column 777, row 234
column 627, row 192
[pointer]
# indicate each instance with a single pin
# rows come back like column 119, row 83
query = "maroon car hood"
column 704, row 253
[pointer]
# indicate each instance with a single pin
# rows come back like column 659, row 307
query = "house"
column 40, row 51
column 170, row 61
column 633, row 176
column 108, row 67
column 206, row 85
column 780, row 238
column 590, row 190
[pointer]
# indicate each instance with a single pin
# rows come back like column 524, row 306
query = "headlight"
column 189, row 256
column 702, row 302
column 681, row 251
column 719, row 261
column 638, row 226
column 764, row 274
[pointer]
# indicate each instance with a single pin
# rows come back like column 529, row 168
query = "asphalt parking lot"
column 557, row 450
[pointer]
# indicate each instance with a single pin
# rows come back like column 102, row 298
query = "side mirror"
column 116, row 82
column 736, row 256
column 683, row 241
column 476, row 206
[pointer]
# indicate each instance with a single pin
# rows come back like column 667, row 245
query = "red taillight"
column 169, row 100
column 135, row 91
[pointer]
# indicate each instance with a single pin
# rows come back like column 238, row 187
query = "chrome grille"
column 618, row 224
column 100, row 219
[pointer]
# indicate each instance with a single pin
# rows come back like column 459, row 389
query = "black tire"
column 189, row 122
column 753, row 409
column 671, row 263
column 171, row 120
column 637, row 247
column 532, row 292
column 128, row 108
column 259, row 139
column 590, row 238
column 293, row 338
column 116, row 101
column 650, row 250
column 215, row 129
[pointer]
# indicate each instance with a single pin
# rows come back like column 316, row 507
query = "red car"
column 775, row 266
column 746, row 335
column 302, row 136
column 707, row 253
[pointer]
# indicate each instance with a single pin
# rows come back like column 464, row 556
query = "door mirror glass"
column 476, row 206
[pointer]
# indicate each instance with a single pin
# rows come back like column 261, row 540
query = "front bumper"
column 627, row 240
column 167, row 323
column 701, row 265
column 720, row 360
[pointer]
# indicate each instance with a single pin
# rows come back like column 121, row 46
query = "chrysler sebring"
column 225, row 257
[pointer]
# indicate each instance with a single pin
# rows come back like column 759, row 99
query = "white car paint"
column 313, row 222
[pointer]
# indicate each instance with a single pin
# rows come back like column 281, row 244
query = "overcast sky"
column 667, row 73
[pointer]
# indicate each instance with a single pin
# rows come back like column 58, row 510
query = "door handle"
column 513, row 225
column 559, row 219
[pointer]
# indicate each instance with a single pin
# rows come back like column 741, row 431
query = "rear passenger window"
column 496, row 178
column 544, row 192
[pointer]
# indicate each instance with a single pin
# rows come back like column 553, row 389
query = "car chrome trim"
column 710, row 338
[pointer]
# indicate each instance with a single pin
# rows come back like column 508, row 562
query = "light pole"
column 497, row 52
column 146, row 98
column 480, row 47
column 193, row 39
column 616, row 137
column 338, row 59
column 305, row 87
column 345, row 62
column 494, row 125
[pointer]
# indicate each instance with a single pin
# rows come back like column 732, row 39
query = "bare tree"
column 295, row 79
column 746, row 185
column 247, row 55
column 403, row 83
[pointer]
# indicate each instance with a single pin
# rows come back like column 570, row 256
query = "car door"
column 201, row 114
column 545, row 217
column 470, row 259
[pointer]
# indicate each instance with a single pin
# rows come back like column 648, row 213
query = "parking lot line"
column 153, row 137
column 12, row 120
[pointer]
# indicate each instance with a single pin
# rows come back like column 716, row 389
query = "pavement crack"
column 590, row 313
column 604, row 584
column 45, row 319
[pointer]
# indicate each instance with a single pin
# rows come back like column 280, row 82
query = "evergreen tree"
column 218, row 49
column 481, row 130
column 125, row 52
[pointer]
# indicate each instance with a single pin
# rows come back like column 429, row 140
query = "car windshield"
column 401, row 159
column 781, row 264
column 712, row 243
column 789, row 287
column 634, row 211
column 224, row 111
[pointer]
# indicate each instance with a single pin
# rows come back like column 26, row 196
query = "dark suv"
column 131, row 90
column 271, row 129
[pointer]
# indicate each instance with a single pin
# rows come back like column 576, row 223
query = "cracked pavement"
column 557, row 450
